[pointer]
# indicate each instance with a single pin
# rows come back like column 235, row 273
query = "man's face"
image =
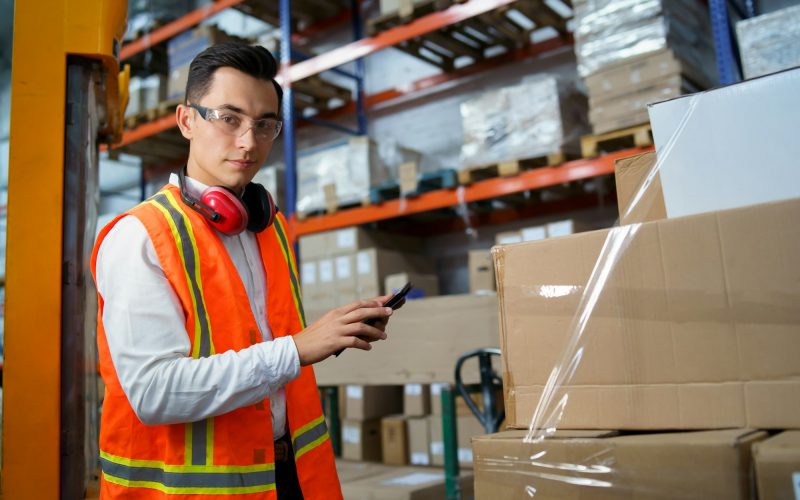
column 217, row 158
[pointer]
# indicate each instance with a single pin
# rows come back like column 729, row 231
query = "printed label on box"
column 413, row 389
column 355, row 392
column 436, row 389
column 415, row 478
column 309, row 273
column 343, row 267
column 437, row 447
column 465, row 455
column 351, row 434
column 363, row 263
column 346, row 238
column 418, row 458
column 326, row 271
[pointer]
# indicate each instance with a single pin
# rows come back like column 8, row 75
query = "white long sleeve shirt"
column 145, row 328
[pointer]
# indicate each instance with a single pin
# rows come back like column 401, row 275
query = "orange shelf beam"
column 147, row 129
column 491, row 188
column 389, row 38
column 176, row 27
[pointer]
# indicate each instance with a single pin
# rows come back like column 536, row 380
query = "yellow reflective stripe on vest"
column 187, row 479
column 199, row 436
column 287, row 254
column 309, row 436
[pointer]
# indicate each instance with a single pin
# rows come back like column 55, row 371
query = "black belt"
column 283, row 448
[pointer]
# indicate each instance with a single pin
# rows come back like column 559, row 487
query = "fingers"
column 359, row 304
column 367, row 313
column 366, row 332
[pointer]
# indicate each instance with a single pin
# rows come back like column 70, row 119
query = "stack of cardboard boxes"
column 635, row 52
column 339, row 267
column 686, row 323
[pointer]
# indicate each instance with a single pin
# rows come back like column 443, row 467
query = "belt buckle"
column 281, row 451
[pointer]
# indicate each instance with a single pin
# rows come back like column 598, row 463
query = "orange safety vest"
column 231, row 454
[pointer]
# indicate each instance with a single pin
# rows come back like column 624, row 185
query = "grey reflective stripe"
column 292, row 276
column 189, row 479
column 309, row 436
column 198, row 429
column 199, row 442
column 191, row 266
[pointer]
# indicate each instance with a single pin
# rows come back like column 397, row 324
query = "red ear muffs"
column 229, row 214
column 233, row 216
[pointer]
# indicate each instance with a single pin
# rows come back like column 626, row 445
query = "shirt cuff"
column 279, row 362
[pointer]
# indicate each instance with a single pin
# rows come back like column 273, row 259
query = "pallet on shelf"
column 319, row 94
column 474, row 37
column 332, row 209
column 511, row 167
column 639, row 136
column 424, row 182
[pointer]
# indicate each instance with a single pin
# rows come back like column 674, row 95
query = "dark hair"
column 252, row 60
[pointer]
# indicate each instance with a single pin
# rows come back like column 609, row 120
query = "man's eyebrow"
column 235, row 109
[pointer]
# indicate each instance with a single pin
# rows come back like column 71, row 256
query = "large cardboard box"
column 361, row 440
column 364, row 402
column 373, row 265
column 729, row 147
column 425, row 285
column 416, row 400
column 316, row 246
column 695, row 326
column 777, row 463
column 638, row 73
column 637, row 201
column 481, row 271
column 419, row 440
column 703, row 465
column 467, row 428
column 394, row 440
column 426, row 337
column 405, row 483
column 346, row 282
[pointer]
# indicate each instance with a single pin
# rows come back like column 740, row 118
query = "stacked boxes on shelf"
column 183, row 48
column 145, row 94
column 634, row 52
column 684, row 323
column 364, row 408
column 543, row 115
column 339, row 267
column 342, row 173
column 769, row 43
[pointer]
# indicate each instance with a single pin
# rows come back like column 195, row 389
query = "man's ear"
column 185, row 118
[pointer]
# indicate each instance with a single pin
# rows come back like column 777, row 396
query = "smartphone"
column 394, row 302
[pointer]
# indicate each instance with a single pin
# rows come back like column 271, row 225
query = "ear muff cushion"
column 233, row 214
column 260, row 207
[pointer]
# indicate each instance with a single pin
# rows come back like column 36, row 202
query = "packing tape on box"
column 540, row 467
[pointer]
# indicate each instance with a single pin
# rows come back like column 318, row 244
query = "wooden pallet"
column 423, row 182
column 163, row 109
column 319, row 94
column 639, row 136
column 512, row 167
column 473, row 38
column 332, row 209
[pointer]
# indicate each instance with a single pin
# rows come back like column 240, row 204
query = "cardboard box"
column 346, row 279
column 349, row 470
column 416, row 400
column 419, row 440
column 406, row 483
column 630, row 174
column 639, row 73
column 777, row 462
column 632, row 107
column 394, row 440
column 315, row 246
column 364, row 402
column 425, row 285
column 467, row 428
column 695, row 328
column 481, row 271
column 325, row 297
column 702, row 173
column 361, row 440
column 707, row 465
column 373, row 265
column 182, row 48
column 426, row 337
column 768, row 43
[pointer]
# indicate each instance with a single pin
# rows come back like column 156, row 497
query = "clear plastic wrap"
column 540, row 116
column 686, row 324
column 770, row 43
column 609, row 32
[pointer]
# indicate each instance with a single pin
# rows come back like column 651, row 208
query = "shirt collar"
column 193, row 186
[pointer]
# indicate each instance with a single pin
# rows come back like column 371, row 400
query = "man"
column 203, row 345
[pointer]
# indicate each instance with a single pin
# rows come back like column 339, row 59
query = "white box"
column 729, row 147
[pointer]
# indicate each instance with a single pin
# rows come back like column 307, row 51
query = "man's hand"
column 341, row 328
